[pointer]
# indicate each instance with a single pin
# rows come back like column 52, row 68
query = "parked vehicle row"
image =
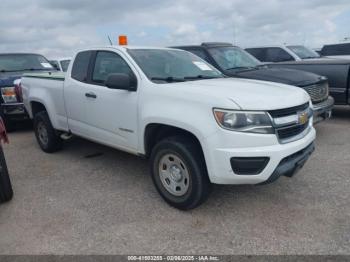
column 12, row 67
column 196, row 125
column 235, row 62
column 61, row 64
column 282, row 53
column 339, row 50
column 337, row 71
column 202, row 114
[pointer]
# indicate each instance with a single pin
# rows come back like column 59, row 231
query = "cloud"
column 57, row 28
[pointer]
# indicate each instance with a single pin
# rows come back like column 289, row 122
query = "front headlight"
column 244, row 121
column 9, row 94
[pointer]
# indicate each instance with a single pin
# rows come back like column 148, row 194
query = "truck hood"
column 7, row 79
column 317, row 61
column 278, row 75
column 244, row 93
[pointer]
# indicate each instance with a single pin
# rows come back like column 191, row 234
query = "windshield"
column 165, row 65
column 303, row 52
column 23, row 62
column 64, row 65
column 230, row 57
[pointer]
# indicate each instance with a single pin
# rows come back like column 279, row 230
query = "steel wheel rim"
column 42, row 133
column 174, row 175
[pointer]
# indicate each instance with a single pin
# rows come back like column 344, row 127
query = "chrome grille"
column 318, row 92
column 288, row 111
column 291, row 131
column 290, row 123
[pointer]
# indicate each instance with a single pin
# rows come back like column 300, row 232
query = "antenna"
column 110, row 41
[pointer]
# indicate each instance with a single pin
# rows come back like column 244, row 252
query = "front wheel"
column 48, row 140
column 179, row 172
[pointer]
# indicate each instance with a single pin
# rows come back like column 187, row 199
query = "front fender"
column 199, row 120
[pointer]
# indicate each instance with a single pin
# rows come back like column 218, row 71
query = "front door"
column 111, row 113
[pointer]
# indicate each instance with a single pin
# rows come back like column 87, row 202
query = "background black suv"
column 236, row 62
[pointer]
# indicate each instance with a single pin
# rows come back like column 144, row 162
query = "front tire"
column 48, row 140
column 179, row 172
column 6, row 192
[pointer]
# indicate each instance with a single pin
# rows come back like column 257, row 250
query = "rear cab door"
column 75, row 89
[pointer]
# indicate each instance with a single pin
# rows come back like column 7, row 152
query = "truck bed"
column 48, row 85
column 47, row 75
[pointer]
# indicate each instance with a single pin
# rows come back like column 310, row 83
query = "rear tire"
column 47, row 137
column 6, row 192
column 179, row 172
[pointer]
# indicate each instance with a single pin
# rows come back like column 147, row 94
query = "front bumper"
column 14, row 111
column 222, row 146
column 323, row 110
column 290, row 165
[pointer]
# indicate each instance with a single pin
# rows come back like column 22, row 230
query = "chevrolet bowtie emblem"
column 303, row 118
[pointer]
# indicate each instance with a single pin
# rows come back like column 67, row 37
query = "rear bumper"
column 14, row 111
column 323, row 110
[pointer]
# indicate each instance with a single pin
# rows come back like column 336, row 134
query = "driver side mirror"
column 121, row 81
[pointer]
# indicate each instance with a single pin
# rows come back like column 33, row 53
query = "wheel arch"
column 155, row 132
column 37, row 107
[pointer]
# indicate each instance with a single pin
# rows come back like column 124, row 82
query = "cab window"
column 81, row 66
column 338, row 49
column 258, row 53
column 107, row 63
column 276, row 54
column 55, row 64
column 200, row 53
column 64, row 65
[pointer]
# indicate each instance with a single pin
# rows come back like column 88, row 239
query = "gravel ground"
column 89, row 199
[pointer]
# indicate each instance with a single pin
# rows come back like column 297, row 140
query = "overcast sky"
column 57, row 28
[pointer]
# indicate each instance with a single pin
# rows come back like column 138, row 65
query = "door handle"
column 91, row 95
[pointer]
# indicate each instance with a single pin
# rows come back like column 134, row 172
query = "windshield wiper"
column 7, row 71
column 240, row 68
column 169, row 79
column 200, row 77
column 311, row 57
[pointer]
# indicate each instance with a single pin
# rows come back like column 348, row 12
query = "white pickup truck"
column 196, row 126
